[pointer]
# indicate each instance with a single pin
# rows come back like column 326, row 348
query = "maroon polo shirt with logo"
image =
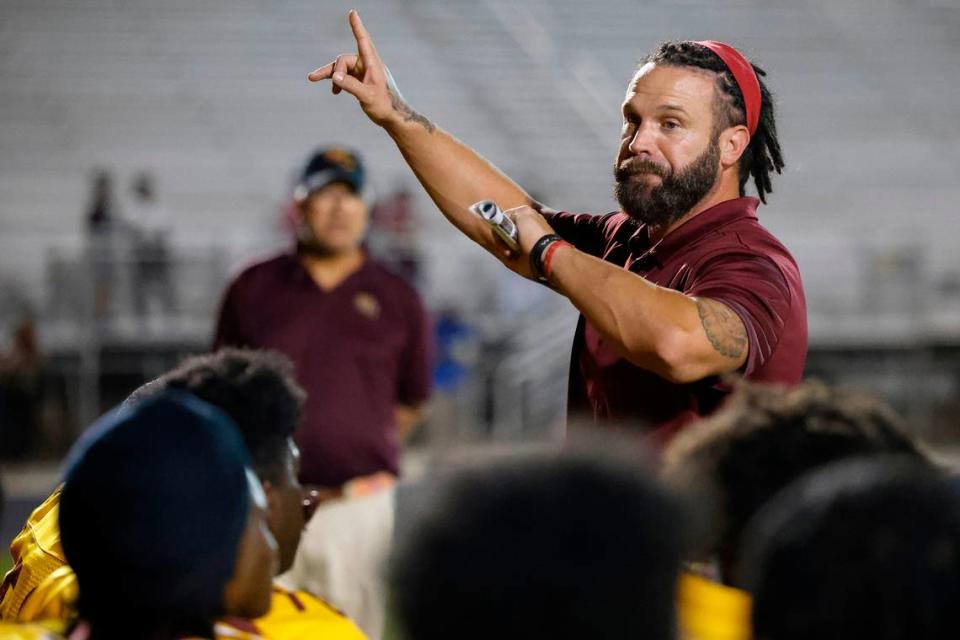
column 359, row 350
column 722, row 254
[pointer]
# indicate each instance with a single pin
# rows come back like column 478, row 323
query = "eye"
column 671, row 125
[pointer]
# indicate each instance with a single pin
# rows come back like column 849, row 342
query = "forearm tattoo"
column 409, row 115
column 723, row 327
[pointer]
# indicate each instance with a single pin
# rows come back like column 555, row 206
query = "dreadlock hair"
column 763, row 154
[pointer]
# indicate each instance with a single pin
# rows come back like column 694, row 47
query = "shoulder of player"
column 289, row 606
column 33, row 631
column 302, row 601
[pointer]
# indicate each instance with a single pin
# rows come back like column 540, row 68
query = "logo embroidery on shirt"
column 368, row 305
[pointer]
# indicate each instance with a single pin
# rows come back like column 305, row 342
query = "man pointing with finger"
column 680, row 286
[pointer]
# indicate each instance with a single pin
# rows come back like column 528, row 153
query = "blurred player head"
column 333, row 215
column 547, row 548
column 868, row 549
column 163, row 523
column 763, row 439
column 685, row 132
column 258, row 390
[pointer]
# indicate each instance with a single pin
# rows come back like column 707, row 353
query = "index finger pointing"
column 364, row 43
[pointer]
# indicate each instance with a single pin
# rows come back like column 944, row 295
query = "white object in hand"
column 502, row 225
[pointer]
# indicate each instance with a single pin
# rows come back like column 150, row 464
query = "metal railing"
column 530, row 384
column 110, row 297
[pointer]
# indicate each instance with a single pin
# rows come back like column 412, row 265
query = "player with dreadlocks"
column 679, row 287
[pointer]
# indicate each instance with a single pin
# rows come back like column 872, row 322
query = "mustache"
column 636, row 167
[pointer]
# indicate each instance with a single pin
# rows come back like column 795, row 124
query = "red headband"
column 745, row 76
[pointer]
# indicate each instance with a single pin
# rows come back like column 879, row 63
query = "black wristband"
column 536, row 254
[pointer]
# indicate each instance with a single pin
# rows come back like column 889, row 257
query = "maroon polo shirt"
column 359, row 350
column 722, row 254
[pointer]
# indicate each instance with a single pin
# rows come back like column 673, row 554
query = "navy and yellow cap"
column 327, row 165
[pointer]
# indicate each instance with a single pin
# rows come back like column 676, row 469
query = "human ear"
column 733, row 143
column 274, row 505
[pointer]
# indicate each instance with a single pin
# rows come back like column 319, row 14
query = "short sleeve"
column 586, row 231
column 754, row 287
column 415, row 372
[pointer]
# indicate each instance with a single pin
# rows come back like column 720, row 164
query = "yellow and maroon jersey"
column 294, row 615
column 40, row 586
column 19, row 631
column 712, row 611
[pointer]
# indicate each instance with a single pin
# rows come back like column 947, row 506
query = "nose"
column 338, row 202
column 642, row 144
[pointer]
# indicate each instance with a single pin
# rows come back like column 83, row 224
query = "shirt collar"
column 300, row 274
column 700, row 225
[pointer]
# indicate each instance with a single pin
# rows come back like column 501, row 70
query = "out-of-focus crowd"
column 797, row 513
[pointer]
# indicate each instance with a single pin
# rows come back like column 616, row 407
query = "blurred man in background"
column 357, row 334
column 150, row 232
column 102, row 218
column 682, row 285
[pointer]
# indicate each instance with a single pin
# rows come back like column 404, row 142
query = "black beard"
column 677, row 193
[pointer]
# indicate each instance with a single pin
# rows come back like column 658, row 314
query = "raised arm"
column 453, row 174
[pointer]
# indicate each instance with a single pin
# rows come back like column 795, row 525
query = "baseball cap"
column 330, row 164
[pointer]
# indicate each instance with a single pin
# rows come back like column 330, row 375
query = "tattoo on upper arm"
column 409, row 115
column 723, row 327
